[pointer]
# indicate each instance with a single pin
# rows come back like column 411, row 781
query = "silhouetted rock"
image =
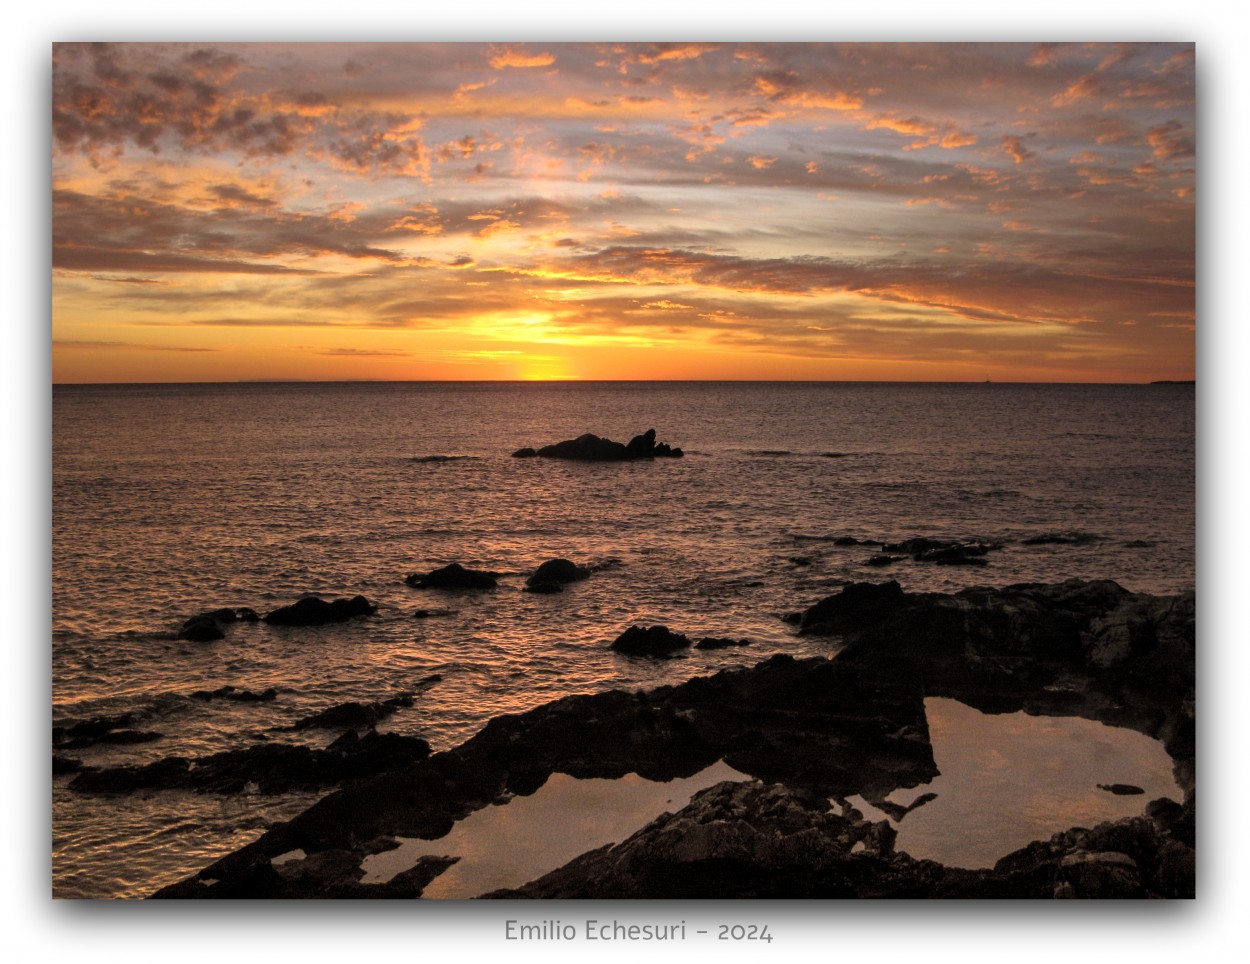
column 848, row 541
column 650, row 641
column 355, row 715
column 554, row 574
column 592, row 448
column 881, row 559
column 236, row 694
column 720, row 642
column 269, row 767
column 208, row 626
column 64, row 764
column 313, row 611
column 858, row 604
column 1061, row 539
column 1121, row 789
column 819, row 728
column 102, row 729
column 454, row 576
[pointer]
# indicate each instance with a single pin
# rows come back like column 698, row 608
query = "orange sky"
column 478, row 211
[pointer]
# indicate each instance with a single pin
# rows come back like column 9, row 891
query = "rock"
column 592, row 448
column 454, row 576
column 649, row 641
column 103, row 729
column 881, row 559
column 858, row 604
column 846, row 541
column 432, row 613
column 555, row 573
column 1061, row 539
column 1121, row 789
column 269, row 767
column 720, row 642
column 236, row 694
column 64, row 764
column 206, row 627
column 354, row 715
column 313, row 611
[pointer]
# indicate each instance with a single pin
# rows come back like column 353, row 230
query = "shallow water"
column 1008, row 779
column 171, row 500
column 507, row 845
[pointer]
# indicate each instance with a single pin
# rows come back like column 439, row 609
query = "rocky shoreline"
column 807, row 732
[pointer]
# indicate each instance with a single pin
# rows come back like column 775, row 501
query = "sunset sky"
column 497, row 211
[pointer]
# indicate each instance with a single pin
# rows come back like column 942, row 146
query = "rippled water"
column 169, row 500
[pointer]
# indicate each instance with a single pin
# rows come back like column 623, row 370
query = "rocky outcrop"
column 236, row 694
column 208, row 626
column 720, row 642
column 454, row 576
column 270, row 767
column 554, row 574
column 355, row 715
column 818, row 728
column 749, row 840
column 115, row 730
column 314, row 611
column 1088, row 648
column 657, row 641
column 592, row 448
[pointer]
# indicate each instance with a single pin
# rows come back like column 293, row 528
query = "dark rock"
column 431, row 613
column 1121, row 789
column 64, row 764
column 454, row 576
column 270, row 767
column 846, row 541
column 201, row 629
column 236, row 694
column 354, row 715
column 559, row 571
column 1061, row 539
column 91, row 729
column 592, row 448
column 881, row 559
column 545, row 587
column 720, row 642
column 313, row 611
column 859, row 604
column 649, row 641
column 914, row 547
column 127, row 779
column 525, row 453
column 208, row 626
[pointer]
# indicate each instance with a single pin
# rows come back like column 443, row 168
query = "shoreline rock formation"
column 592, row 448
column 805, row 730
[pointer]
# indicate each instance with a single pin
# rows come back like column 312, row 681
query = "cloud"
column 71, row 344
column 513, row 57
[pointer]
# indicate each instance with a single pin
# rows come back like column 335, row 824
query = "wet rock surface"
column 236, row 694
column 655, row 641
column 592, row 448
column 454, row 576
column 807, row 730
column 554, row 574
column 314, row 611
column 209, row 626
column 269, row 767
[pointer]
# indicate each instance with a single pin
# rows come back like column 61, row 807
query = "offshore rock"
column 236, row 694
column 270, row 767
column 592, row 448
column 208, row 626
column 354, row 715
column 454, row 576
column 313, row 611
column 650, row 641
column 720, row 642
column 555, row 571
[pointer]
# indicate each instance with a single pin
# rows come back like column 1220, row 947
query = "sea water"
column 169, row 500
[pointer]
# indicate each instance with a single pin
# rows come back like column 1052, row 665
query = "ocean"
column 169, row 500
